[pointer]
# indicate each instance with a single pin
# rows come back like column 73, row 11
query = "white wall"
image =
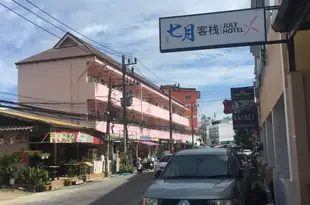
column 226, row 131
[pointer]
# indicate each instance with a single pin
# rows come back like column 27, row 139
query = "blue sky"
column 130, row 27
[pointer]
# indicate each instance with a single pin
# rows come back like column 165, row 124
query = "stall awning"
column 148, row 143
column 24, row 116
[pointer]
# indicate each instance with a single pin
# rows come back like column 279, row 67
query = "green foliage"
column 125, row 165
column 73, row 170
column 7, row 170
column 244, row 138
column 33, row 176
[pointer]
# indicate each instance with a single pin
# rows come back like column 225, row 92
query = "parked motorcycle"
column 144, row 164
column 139, row 165
column 149, row 165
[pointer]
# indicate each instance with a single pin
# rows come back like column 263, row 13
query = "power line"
column 218, row 100
column 62, row 23
column 119, row 53
column 29, row 20
column 39, row 16
column 150, row 70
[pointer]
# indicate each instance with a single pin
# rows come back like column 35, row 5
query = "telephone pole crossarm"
column 125, row 98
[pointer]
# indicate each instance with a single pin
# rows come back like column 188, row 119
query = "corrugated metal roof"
column 15, row 128
column 25, row 116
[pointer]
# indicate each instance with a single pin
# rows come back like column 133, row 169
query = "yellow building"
column 283, row 85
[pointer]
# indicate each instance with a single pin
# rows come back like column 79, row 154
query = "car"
column 162, row 162
column 199, row 176
column 247, row 152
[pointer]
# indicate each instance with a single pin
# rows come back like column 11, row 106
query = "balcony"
column 135, row 132
column 101, row 92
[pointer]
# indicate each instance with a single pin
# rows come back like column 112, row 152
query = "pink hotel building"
column 77, row 74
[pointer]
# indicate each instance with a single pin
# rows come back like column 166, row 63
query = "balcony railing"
column 135, row 132
column 101, row 93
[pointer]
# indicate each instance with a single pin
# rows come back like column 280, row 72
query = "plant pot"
column 12, row 181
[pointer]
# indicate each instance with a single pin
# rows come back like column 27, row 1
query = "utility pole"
column 125, row 99
column 124, row 104
column 170, row 112
column 192, row 118
column 108, row 137
column 170, row 119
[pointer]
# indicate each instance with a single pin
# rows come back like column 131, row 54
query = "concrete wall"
column 55, row 81
column 17, row 146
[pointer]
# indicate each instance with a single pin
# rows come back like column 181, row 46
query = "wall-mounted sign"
column 73, row 137
column 244, row 108
column 212, row 30
column 62, row 137
column 145, row 138
column 9, row 140
column 247, row 120
column 161, row 141
column 84, row 138
column 242, row 93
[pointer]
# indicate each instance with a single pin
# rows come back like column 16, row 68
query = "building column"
column 281, row 174
column 269, row 142
column 300, row 142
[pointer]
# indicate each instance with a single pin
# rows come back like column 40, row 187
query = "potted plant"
column 45, row 155
column 11, row 172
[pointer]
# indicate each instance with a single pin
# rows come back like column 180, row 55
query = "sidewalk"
column 10, row 194
column 89, row 193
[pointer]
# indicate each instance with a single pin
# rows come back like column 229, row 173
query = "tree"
column 245, row 138
column 202, row 129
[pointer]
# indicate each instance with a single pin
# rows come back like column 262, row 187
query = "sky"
column 130, row 27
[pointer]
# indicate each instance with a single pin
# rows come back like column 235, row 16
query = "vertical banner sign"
column 244, row 108
column 212, row 30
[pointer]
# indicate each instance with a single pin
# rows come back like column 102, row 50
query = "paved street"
column 116, row 190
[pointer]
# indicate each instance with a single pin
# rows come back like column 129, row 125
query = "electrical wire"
column 29, row 20
column 75, row 30
column 150, row 70
column 39, row 16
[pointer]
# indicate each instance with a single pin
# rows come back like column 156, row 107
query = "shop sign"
column 212, row 30
column 146, row 138
column 62, row 137
column 164, row 141
column 84, row 138
column 245, row 120
column 244, row 109
column 242, row 93
column 9, row 140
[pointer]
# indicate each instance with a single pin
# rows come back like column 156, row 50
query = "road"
column 115, row 190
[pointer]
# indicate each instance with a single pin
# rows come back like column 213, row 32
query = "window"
column 165, row 158
column 198, row 166
column 89, row 78
column 188, row 97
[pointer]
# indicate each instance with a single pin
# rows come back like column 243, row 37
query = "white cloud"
column 94, row 29
column 129, row 27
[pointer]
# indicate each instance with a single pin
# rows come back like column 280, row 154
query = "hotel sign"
column 212, row 30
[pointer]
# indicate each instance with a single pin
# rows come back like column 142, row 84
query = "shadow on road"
column 129, row 193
